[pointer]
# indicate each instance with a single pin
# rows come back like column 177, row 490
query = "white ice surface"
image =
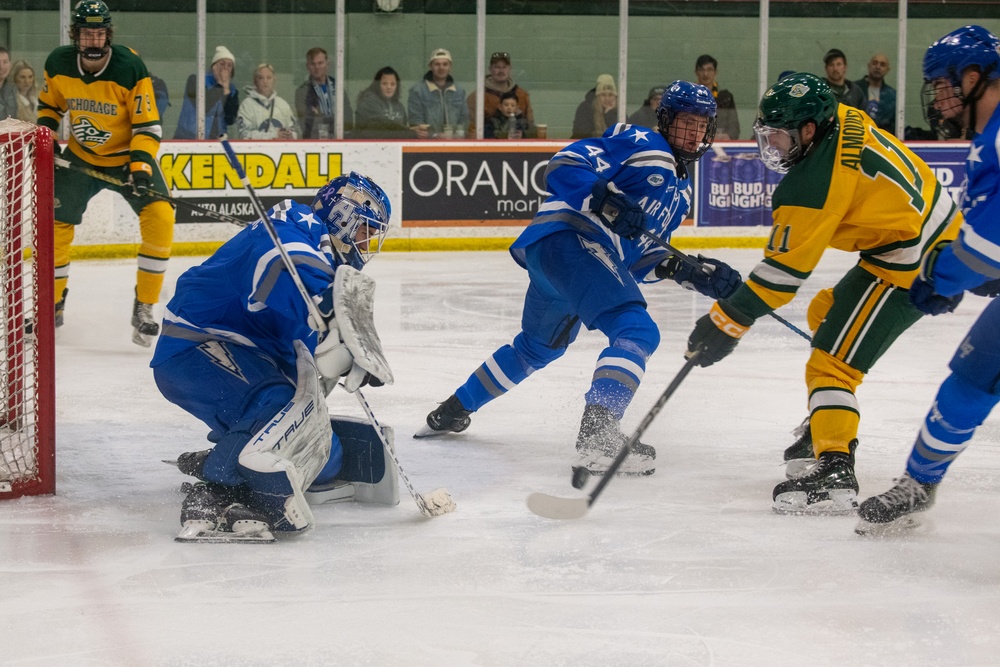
column 686, row 567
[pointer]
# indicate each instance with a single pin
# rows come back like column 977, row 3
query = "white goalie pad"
column 353, row 307
column 296, row 441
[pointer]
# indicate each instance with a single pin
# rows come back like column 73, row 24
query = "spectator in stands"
column 646, row 114
column 27, row 94
column 498, row 82
column 436, row 106
column 8, row 91
column 264, row 115
column 727, row 120
column 598, row 111
column 316, row 99
column 222, row 99
column 846, row 91
column 508, row 121
column 880, row 96
column 380, row 113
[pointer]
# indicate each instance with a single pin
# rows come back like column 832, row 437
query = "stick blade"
column 552, row 507
column 436, row 503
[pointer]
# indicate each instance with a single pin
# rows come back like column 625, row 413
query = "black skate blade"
column 194, row 534
column 427, row 432
column 553, row 507
column 169, row 462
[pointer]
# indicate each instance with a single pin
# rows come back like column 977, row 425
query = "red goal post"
column 27, row 322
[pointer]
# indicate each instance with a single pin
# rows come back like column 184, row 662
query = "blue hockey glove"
column 926, row 300
column 616, row 211
column 717, row 334
column 991, row 289
column 714, row 279
column 922, row 294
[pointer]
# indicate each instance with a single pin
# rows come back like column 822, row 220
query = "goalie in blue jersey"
column 240, row 351
column 962, row 84
column 585, row 253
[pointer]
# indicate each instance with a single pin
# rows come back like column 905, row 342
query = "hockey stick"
column 695, row 264
column 101, row 176
column 554, row 507
column 432, row 504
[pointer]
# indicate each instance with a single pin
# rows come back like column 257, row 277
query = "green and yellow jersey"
column 859, row 190
column 112, row 114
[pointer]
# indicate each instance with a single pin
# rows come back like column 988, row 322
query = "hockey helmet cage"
column 944, row 64
column 91, row 14
column 356, row 213
column 784, row 110
column 692, row 98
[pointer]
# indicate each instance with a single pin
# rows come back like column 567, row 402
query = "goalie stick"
column 432, row 504
column 554, row 507
column 695, row 264
column 100, row 176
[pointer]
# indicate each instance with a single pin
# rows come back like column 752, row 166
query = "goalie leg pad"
column 366, row 475
column 282, row 459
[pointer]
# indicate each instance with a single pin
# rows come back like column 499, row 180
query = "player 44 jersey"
column 975, row 256
column 859, row 190
column 112, row 114
column 244, row 295
column 639, row 162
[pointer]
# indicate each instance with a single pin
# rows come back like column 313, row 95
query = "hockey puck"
column 580, row 476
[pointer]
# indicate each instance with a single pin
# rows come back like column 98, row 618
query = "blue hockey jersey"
column 639, row 162
column 243, row 294
column 974, row 257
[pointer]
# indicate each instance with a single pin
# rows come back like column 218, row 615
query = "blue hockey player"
column 240, row 351
column 962, row 83
column 585, row 253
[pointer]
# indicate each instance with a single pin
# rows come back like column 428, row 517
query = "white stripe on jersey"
column 623, row 363
column 981, row 245
column 260, row 270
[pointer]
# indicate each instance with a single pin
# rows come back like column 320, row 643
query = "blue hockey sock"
column 498, row 375
column 616, row 379
column 958, row 410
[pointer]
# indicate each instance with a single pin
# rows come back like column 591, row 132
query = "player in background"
column 240, row 351
column 585, row 254
column 962, row 82
column 853, row 187
column 107, row 94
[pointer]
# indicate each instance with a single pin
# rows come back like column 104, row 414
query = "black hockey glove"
column 714, row 279
column 922, row 294
column 717, row 334
column 991, row 289
column 616, row 211
column 141, row 184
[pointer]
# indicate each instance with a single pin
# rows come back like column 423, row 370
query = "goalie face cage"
column 27, row 319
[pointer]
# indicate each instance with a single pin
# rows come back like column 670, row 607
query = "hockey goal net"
column 27, row 327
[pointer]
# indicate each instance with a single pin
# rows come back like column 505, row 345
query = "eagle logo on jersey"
column 798, row 90
column 89, row 133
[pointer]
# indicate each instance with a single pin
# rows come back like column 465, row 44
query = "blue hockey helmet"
column 687, row 139
column 945, row 62
column 356, row 213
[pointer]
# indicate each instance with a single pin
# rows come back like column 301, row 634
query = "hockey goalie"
column 240, row 351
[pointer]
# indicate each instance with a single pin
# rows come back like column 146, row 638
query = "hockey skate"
column 598, row 443
column 144, row 327
column 799, row 457
column 61, row 308
column 209, row 514
column 891, row 513
column 829, row 487
column 449, row 417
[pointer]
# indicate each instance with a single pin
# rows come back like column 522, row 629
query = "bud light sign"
column 735, row 189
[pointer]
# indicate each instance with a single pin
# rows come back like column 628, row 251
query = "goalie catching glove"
column 712, row 277
column 717, row 333
column 352, row 347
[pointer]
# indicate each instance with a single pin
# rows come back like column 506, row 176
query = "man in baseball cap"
column 498, row 82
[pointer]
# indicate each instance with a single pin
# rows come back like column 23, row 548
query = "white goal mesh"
column 26, row 311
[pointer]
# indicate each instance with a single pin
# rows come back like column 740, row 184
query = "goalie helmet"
column 91, row 14
column 356, row 213
column 687, row 140
column 945, row 62
column 784, row 110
